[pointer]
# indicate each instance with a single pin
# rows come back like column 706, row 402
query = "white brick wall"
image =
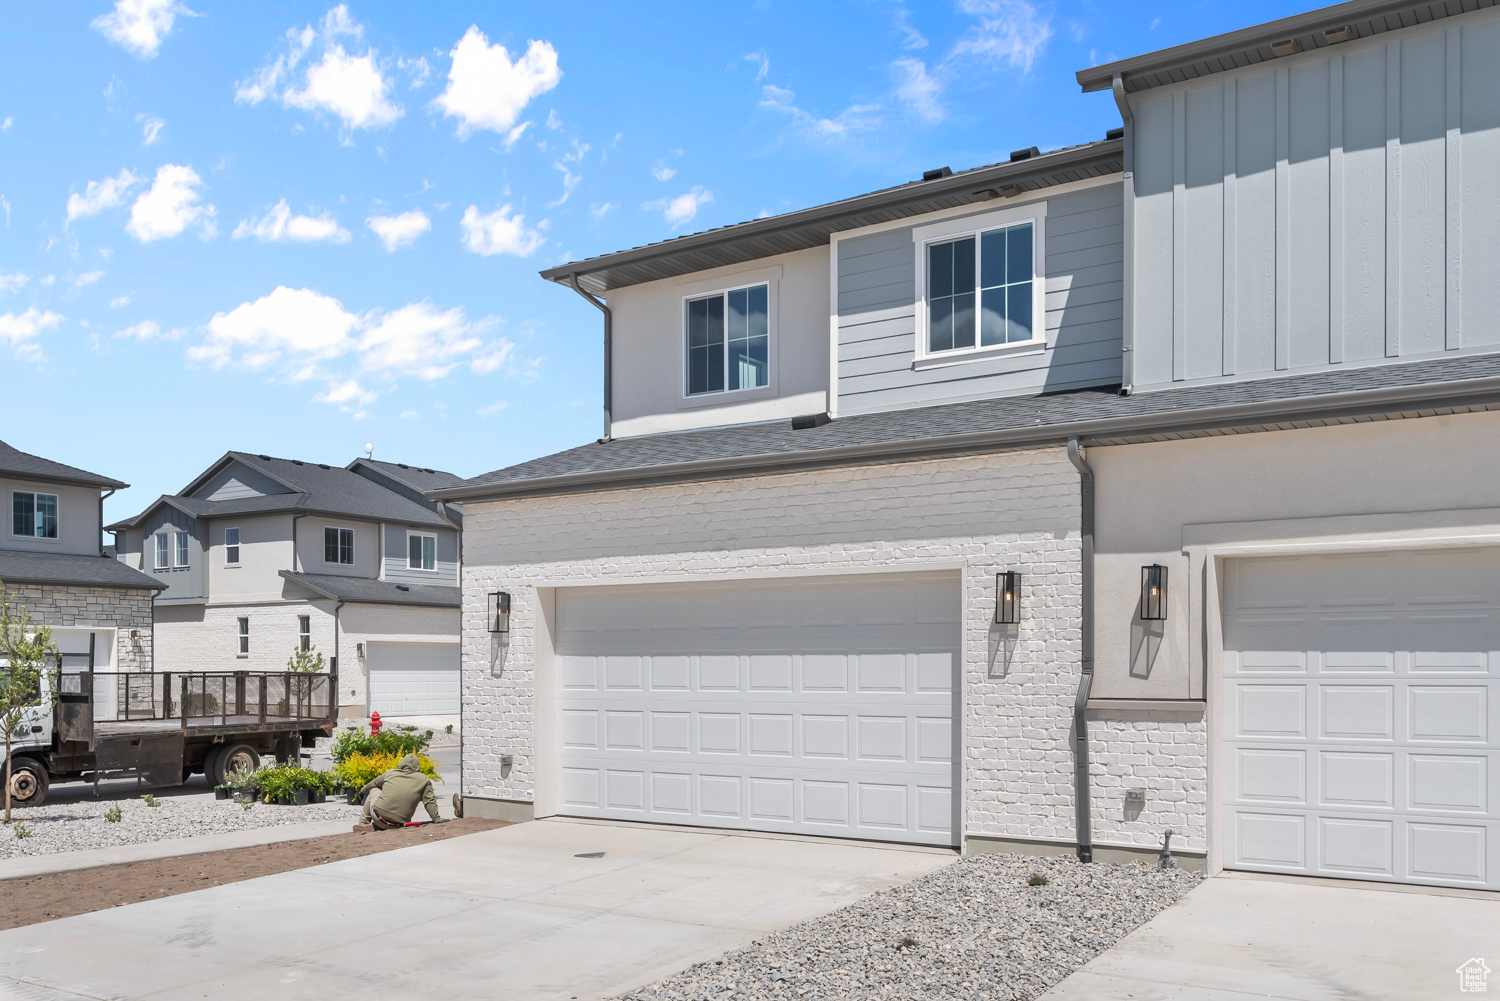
column 1012, row 511
column 1163, row 753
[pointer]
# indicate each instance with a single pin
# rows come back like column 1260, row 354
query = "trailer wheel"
column 28, row 782
column 237, row 757
column 211, row 765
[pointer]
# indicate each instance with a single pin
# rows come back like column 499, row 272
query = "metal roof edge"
column 1340, row 405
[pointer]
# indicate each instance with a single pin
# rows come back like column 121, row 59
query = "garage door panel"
column 413, row 679
column 1395, row 720
column 821, row 706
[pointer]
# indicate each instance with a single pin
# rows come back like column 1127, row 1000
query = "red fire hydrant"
column 374, row 724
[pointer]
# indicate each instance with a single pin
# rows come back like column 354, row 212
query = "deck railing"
column 205, row 697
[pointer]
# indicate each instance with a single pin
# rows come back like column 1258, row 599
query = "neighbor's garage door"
column 413, row 679
column 1361, row 715
column 820, row 706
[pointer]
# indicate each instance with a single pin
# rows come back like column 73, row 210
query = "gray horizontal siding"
column 877, row 320
column 446, row 572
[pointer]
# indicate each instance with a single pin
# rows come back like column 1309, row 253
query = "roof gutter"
column 1470, row 392
column 608, row 351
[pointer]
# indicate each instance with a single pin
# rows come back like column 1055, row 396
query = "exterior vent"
column 1024, row 154
column 403, row 465
column 266, row 457
column 1286, row 47
column 323, row 465
column 810, row 421
column 938, row 174
column 297, row 462
column 1333, row 36
column 1118, row 133
column 1010, row 190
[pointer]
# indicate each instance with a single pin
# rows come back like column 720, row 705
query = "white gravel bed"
column 973, row 930
column 67, row 827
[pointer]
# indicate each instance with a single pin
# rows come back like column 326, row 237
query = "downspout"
column 336, row 665
column 102, row 499
column 1081, row 795
column 1127, row 292
column 608, row 351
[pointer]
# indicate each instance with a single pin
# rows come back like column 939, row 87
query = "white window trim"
column 304, row 636
column 237, row 545
column 353, row 546
column 954, row 229
column 421, row 535
column 769, row 277
column 11, row 515
column 242, row 639
column 177, row 551
column 156, row 551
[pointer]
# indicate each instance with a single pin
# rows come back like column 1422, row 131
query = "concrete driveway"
column 511, row 913
column 1239, row 936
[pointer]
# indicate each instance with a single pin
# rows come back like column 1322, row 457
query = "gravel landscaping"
column 67, row 827
column 974, row 930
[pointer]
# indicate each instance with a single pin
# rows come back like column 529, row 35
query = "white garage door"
column 413, row 679
column 819, row 706
column 1361, row 714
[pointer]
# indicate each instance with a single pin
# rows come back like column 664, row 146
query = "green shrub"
column 400, row 741
column 20, row 830
column 1037, row 879
column 112, row 815
column 358, row 769
column 277, row 781
column 150, row 800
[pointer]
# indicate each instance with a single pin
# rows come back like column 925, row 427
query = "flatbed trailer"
column 160, row 727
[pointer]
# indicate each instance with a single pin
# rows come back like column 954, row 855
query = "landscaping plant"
column 113, row 815
column 26, row 647
column 358, row 769
column 354, row 740
column 150, row 800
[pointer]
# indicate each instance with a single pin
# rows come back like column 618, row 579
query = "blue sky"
column 293, row 228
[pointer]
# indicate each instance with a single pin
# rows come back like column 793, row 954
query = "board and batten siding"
column 877, row 318
column 396, row 568
column 1336, row 207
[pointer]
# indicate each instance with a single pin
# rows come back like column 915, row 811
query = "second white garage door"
column 810, row 706
column 413, row 679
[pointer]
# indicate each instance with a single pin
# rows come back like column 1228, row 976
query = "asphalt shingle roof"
column 1096, row 414
column 382, row 592
column 34, row 467
column 18, row 567
column 416, row 477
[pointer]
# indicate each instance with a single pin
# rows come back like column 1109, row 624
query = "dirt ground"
column 64, row 894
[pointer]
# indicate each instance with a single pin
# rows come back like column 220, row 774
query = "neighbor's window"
column 979, row 290
column 728, row 341
column 338, row 546
column 231, row 546
column 181, row 548
column 33, row 515
column 163, row 551
column 421, row 552
column 244, row 649
column 304, row 632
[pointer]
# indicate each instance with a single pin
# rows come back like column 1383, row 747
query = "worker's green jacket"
column 401, row 789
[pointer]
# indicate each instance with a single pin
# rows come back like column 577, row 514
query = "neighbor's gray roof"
column 33, row 467
column 18, row 567
column 1096, row 416
column 1247, row 46
column 812, row 227
column 363, row 590
column 315, row 488
column 418, row 478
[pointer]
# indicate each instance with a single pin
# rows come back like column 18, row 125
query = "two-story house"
column 1045, row 506
column 53, row 562
column 261, row 557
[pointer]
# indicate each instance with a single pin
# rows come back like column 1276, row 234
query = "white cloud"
column 278, row 225
column 499, row 232
column 348, row 391
column 20, row 329
column 351, row 86
column 681, row 210
column 118, row 301
column 151, row 127
column 101, row 195
column 553, row 122
column 409, row 415
column 493, row 358
column 918, row 90
column 418, row 69
column 139, row 26
column 420, row 341
column 4, row 203
column 762, row 64
column 911, row 38
column 9, row 121
column 663, row 173
column 397, row 231
column 852, row 120
column 1013, row 32
column 170, row 206
column 490, row 409
column 149, row 330
column 12, row 281
column 486, row 90
column 571, row 177
column 297, row 324
column 87, row 278
column 599, row 211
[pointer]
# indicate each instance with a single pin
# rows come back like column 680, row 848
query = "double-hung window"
column 421, row 552
column 338, row 546
column 33, row 515
column 231, row 547
column 304, row 633
column 163, row 551
column 980, row 286
column 728, row 341
column 180, row 549
column 244, row 637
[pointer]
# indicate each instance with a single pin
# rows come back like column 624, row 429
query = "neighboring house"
column 1218, row 389
column 260, row 557
column 52, row 562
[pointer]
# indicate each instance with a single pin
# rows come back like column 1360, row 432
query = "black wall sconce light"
column 1007, row 597
column 499, row 612
column 1154, row 593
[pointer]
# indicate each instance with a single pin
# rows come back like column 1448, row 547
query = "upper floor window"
column 421, row 552
column 728, row 341
column 33, row 516
column 163, row 551
column 338, row 546
column 979, row 285
column 180, row 548
column 231, row 547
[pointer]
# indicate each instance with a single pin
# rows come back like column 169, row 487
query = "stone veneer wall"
column 96, row 607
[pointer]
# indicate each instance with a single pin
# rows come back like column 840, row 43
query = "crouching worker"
column 391, row 798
